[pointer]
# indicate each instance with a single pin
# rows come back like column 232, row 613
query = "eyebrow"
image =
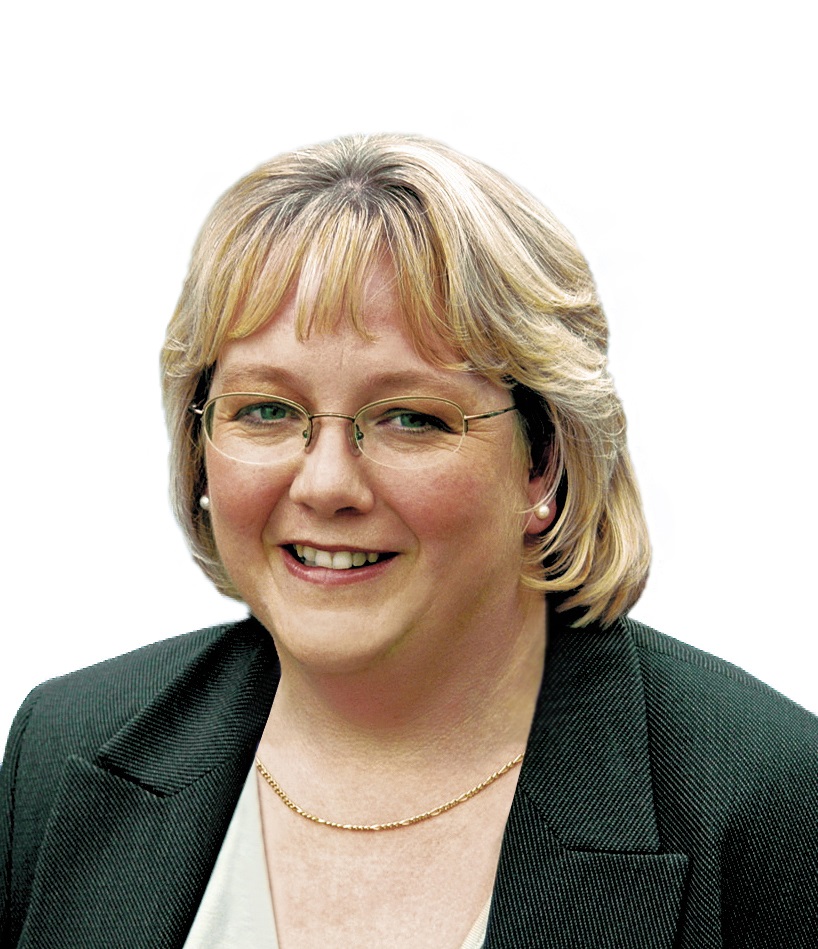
column 258, row 378
column 254, row 378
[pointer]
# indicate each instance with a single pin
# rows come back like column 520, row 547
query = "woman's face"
column 448, row 538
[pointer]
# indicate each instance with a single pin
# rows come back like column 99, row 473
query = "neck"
column 471, row 701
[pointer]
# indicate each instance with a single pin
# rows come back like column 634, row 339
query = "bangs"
column 323, row 262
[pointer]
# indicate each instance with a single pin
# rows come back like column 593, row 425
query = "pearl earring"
column 204, row 502
column 543, row 511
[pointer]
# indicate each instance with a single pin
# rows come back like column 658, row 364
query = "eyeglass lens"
column 407, row 432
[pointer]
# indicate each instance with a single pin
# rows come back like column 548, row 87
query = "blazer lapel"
column 135, row 832
column 581, row 863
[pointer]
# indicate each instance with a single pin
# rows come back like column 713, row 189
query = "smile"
column 335, row 559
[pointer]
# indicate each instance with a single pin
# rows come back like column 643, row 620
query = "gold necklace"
column 391, row 825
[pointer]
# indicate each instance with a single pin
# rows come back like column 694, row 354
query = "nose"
column 331, row 477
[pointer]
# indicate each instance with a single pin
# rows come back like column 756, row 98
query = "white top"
column 237, row 906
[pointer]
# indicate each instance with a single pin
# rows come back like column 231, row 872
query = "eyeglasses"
column 409, row 432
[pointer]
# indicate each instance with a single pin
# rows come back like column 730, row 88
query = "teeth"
column 337, row 560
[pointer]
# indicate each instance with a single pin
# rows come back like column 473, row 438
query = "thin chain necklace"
column 392, row 825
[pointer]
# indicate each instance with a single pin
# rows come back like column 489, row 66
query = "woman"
column 395, row 438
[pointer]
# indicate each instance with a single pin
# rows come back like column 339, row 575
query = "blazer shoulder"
column 686, row 673
column 726, row 733
column 82, row 709
column 700, row 693
column 735, row 778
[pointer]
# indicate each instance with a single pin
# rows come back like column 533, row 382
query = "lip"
column 325, row 576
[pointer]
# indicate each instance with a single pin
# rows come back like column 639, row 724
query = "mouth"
column 336, row 559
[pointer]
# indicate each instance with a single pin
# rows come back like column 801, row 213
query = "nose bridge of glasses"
column 351, row 430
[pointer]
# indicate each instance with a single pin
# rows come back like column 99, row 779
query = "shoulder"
column 77, row 712
column 713, row 702
column 156, row 697
column 735, row 776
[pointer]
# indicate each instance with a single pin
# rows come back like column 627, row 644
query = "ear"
column 542, row 505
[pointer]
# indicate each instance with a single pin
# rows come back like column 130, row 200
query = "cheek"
column 240, row 500
column 478, row 509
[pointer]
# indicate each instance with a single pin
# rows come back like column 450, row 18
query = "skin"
column 404, row 682
column 455, row 530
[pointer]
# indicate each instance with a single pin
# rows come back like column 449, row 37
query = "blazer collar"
column 135, row 831
column 209, row 716
column 587, row 768
column 581, row 863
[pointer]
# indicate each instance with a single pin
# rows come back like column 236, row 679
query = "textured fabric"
column 237, row 908
column 476, row 937
column 667, row 799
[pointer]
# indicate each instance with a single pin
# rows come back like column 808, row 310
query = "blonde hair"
column 483, row 269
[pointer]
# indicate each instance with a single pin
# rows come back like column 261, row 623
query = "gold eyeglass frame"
column 355, row 435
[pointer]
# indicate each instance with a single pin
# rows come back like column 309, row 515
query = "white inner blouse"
column 237, row 906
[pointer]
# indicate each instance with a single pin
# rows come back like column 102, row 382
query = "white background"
column 675, row 140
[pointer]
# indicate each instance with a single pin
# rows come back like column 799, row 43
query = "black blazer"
column 666, row 800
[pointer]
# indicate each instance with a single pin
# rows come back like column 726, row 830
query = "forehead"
column 378, row 336
column 340, row 364
column 364, row 284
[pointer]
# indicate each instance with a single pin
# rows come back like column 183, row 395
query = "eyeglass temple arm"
column 471, row 418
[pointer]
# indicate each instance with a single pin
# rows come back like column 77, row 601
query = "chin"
column 329, row 643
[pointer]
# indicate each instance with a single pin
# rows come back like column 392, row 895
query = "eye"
column 405, row 419
column 415, row 421
column 265, row 414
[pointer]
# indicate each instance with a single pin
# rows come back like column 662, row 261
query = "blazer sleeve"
column 770, row 847
column 735, row 779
